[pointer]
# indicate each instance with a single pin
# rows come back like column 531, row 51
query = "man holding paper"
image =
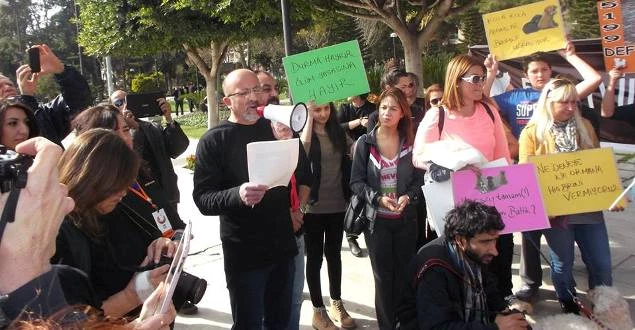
column 255, row 223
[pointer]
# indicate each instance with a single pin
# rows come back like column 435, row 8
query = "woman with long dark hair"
column 383, row 175
column 17, row 122
column 327, row 147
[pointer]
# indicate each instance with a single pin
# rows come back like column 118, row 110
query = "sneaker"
column 321, row 320
column 527, row 293
column 341, row 315
column 355, row 250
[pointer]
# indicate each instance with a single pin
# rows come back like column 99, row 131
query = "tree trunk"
column 412, row 57
column 217, row 51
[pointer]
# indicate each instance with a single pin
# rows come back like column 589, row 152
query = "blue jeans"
column 261, row 298
column 593, row 241
column 298, row 285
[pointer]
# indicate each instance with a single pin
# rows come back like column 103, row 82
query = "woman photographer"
column 130, row 230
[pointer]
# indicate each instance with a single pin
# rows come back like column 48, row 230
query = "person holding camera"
column 156, row 144
column 137, row 217
column 29, row 284
column 447, row 286
column 53, row 118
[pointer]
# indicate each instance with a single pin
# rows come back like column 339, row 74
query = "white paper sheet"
column 272, row 162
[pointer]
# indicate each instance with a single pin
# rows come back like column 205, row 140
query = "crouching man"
column 448, row 284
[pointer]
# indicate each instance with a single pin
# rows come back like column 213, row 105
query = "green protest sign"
column 326, row 74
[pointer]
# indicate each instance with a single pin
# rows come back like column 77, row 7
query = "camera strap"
column 8, row 214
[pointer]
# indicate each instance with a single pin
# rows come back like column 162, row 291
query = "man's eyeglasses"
column 256, row 90
column 435, row 101
column 474, row 79
column 119, row 102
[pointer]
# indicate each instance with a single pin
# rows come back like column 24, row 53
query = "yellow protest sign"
column 577, row 182
column 524, row 30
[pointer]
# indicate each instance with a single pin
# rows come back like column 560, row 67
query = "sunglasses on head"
column 474, row 79
column 119, row 102
column 435, row 101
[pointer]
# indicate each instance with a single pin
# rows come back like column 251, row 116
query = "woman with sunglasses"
column 465, row 113
column 384, row 177
column 557, row 126
column 433, row 95
column 17, row 121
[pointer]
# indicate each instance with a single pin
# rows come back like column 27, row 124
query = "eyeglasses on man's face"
column 474, row 79
column 256, row 91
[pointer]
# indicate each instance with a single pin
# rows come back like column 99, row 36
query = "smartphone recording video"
column 34, row 59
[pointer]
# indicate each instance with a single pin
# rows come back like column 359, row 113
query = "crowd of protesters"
column 105, row 198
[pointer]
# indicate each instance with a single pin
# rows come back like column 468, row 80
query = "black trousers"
column 390, row 248
column 323, row 233
column 501, row 265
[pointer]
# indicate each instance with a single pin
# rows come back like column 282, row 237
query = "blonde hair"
column 558, row 90
column 456, row 69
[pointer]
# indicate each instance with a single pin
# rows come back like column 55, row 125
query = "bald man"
column 255, row 222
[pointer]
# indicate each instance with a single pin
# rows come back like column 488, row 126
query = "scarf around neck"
column 565, row 135
column 475, row 300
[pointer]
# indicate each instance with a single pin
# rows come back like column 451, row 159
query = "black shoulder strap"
column 441, row 120
column 489, row 111
column 434, row 263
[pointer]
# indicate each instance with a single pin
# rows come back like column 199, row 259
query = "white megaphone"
column 293, row 116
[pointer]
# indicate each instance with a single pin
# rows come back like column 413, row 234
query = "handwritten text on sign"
column 524, row 30
column 617, row 50
column 578, row 182
column 513, row 190
column 326, row 74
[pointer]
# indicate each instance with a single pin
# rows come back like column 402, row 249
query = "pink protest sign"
column 513, row 190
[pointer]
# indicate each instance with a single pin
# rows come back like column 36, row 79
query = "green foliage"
column 143, row 83
column 47, row 88
column 583, row 16
column 374, row 74
column 434, row 68
column 195, row 97
column 471, row 23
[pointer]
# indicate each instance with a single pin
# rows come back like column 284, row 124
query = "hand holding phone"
column 34, row 59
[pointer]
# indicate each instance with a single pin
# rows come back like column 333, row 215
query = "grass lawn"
column 194, row 132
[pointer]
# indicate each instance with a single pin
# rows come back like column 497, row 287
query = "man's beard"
column 273, row 100
column 251, row 117
column 474, row 257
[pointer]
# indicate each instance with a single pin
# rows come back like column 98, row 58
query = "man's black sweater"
column 255, row 237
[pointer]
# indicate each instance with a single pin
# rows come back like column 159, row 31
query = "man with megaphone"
column 255, row 222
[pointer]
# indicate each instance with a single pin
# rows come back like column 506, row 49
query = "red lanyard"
column 138, row 190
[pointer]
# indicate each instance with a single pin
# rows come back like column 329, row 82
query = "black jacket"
column 156, row 145
column 365, row 177
column 348, row 113
column 437, row 294
column 54, row 118
column 315, row 159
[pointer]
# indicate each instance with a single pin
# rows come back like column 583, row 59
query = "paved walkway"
column 357, row 279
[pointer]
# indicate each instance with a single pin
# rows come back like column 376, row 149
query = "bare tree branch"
column 459, row 10
column 354, row 4
column 358, row 15
column 194, row 56
column 416, row 21
column 428, row 32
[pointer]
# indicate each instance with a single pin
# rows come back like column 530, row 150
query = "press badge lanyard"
column 160, row 218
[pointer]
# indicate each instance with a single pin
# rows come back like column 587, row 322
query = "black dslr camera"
column 189, row 288
column 13, row 167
